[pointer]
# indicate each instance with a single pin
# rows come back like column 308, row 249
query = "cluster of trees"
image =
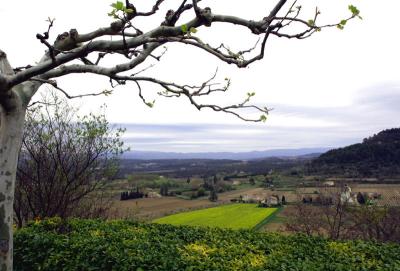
column 268, row 181
column 376, row 156
column 200, row 192
column 131, row 195
column 216, row 185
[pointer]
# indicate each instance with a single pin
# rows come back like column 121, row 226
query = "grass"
column 233, row 216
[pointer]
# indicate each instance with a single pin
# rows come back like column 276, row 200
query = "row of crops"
column 123, row 245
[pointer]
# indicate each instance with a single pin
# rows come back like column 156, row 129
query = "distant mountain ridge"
column 377, row 156
column 150, row 155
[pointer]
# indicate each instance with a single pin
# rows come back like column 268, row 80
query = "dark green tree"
column 252, row 181
column 213, row 195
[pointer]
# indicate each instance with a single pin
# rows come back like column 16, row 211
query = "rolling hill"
column 376, row 156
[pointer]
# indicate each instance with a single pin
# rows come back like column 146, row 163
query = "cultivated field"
column 233, row 216
column 151, row 208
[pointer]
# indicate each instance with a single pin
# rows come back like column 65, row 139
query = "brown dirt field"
column 151, row 208
column 278, row 223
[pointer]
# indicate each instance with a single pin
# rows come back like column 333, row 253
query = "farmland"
column 152, row 208
column 234, row 216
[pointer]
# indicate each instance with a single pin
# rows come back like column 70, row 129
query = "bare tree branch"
column 43, row 39
column 139, row 46
column 153, row 10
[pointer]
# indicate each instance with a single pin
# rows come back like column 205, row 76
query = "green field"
column 233, row 216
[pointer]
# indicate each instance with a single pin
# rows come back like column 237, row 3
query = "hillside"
column 376, row 156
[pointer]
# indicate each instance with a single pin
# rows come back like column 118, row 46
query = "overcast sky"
column 327, row 91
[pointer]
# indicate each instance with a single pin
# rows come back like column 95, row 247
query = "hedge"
column 78, row 244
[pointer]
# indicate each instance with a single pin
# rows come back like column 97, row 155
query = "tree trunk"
column 13, row 103
column 11, row 129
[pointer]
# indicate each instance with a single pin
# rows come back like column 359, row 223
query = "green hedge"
column 123, row 245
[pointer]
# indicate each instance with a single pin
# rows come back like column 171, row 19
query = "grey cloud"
column 372, row 110
column 205, row 138
column 377, row 106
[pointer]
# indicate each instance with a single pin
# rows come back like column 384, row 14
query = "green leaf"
column 263, row 118
column 311, row 22
column 151, row 104
column 184, row 28
column 128, row 10
column 119, row 5
column 354, row 10
column 193, row 30
column 341, row 24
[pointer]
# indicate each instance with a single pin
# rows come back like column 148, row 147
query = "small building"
column 153, row 195
column 273, row 200
column 328, row 183
column 250, row 199
column 270, row 201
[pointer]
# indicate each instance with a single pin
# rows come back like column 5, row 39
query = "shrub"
column 201, row 192
column 123, row 245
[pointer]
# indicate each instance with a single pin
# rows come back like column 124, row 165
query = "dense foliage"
column 376, row 156
column 122, row 245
